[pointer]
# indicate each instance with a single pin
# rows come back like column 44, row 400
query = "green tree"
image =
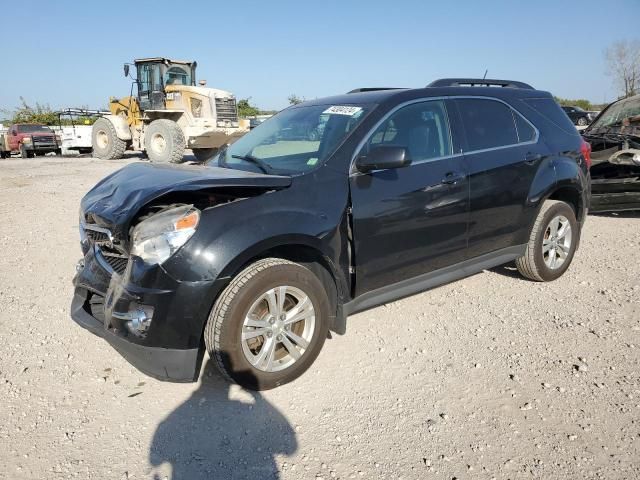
column 245, row 109
column 38, row 113
column 582, row 103
column 294, row 99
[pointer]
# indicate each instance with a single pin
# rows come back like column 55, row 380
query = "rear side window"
column 548, row 108
column 487, row 123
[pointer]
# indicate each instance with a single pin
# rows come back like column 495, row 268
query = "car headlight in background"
column 155, row 239
column 636, row 159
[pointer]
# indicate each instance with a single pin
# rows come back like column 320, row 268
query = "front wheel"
column 269, row 324
column 164, row 141
column 24, row 153
column 582, row 121
column 552, row 243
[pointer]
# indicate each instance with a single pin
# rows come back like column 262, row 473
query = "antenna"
column 485, row 74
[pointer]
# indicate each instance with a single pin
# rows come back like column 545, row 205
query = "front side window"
column 422, row 128
column 177, row 76
column 487, row 123
column 293, row 141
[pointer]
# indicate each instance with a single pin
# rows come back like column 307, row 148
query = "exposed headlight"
column 26, row 139
column 155, row 239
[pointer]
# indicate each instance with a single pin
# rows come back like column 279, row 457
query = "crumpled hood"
column 116, row 199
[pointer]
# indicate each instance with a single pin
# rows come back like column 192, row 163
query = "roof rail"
column 481, row 82
column 372, row 89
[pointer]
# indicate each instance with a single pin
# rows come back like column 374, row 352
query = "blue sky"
column 70, row 53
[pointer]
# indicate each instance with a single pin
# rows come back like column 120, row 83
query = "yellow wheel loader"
column 168, row 115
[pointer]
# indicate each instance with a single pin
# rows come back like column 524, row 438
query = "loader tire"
column 164, row 141
column 105, row 141
column 204, row 154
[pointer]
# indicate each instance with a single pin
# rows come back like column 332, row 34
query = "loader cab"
column 154, row 74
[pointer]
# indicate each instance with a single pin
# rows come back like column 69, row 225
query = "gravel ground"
column 489, row 377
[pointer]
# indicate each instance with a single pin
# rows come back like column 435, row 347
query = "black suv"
column 258, row 254
column 578, row 116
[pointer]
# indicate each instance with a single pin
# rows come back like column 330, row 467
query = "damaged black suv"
column 328, row 208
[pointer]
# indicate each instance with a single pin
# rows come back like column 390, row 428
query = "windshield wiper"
column 261, row 164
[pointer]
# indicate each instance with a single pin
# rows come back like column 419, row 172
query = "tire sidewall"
column 234, row 360
column 105, row 126
column 565, row 210
column 171, row 138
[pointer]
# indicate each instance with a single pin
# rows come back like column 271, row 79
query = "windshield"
column 33, row 128
column 294, row 141
column 617, row 112
column 177, row 76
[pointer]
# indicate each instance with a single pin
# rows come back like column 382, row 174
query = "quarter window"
column 526, row 133
column 487, row 123
column 422, row 128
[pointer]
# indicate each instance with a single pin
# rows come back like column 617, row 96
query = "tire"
column 164, row 141
column 583, row 121
column 539, row 265
column 204, row 154
column 247, row 294
column 105, row 142
column 24, row 153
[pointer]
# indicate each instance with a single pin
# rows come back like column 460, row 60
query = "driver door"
column 413, row 220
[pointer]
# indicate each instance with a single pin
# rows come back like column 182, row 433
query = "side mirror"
column 382, row 158
column 126, row 70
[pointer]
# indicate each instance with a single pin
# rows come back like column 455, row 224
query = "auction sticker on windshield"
column 343, row 110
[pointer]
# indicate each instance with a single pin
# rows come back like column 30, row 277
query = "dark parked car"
column 578, row 116
column 615, row 142
column 257, row 255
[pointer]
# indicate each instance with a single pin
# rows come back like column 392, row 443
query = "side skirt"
column 430, row 280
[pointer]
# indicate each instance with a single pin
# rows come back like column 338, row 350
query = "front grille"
column 117, row 263
column 226, row 109
column 43, row 139
column 96, row 237
column 107, row 248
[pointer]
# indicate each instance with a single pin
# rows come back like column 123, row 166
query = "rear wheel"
column 164, row 141
column 582, row 121
column 269, row 324
column 552, row 243
column 105, row 141
column 204, row 154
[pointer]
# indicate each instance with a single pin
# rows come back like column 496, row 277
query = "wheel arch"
column 120, row 125
column 301, row 249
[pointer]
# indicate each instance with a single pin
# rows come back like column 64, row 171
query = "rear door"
column 503, row 155
column 412, row 220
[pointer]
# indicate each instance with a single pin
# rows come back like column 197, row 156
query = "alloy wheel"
column 556, row 243
column 278, row 328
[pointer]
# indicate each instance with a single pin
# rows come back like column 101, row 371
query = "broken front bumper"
column 168, row 346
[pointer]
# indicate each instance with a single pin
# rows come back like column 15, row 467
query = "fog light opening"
column 137, row 320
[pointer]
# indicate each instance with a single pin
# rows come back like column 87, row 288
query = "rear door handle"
column 531, row 158
column 452, row 178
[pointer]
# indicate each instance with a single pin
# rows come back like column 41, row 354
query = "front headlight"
column 26, row 139
column 155, row 239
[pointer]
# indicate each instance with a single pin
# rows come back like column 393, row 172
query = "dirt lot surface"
column 489, row 377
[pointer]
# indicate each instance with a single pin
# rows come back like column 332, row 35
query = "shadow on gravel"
column 508, row 270
column 215, row 437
